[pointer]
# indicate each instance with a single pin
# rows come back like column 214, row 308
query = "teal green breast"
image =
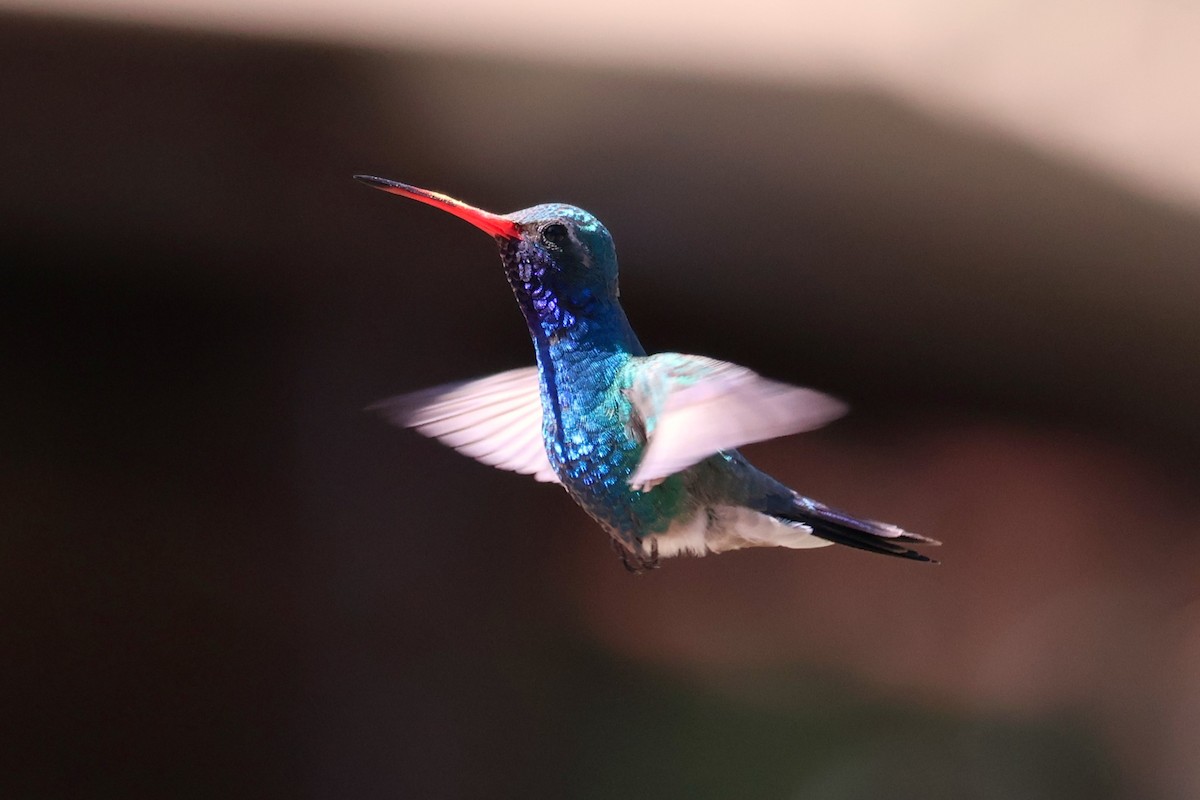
column 595, row 454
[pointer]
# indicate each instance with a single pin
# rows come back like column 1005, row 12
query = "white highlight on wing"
column 496, row 420
column 692, row 407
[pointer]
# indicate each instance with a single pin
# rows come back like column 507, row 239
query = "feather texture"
column 496, row 420
column 691, row 407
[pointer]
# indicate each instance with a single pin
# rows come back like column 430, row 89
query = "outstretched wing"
column 496, row 420
column 691, row 407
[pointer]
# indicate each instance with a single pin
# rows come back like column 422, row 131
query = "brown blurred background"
column 223, row 579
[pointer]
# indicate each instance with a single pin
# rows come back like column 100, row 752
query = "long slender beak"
column 490, row 223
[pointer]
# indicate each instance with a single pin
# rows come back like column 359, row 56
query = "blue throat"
column 582, row 339
column 576, row 325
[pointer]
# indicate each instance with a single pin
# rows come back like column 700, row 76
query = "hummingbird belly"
column 594, row 459
column 721, row 528
column 689, row 513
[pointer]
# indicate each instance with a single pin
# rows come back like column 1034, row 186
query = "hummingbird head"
column 559, row 259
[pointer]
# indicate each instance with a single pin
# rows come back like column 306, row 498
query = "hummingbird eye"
column 555, row 235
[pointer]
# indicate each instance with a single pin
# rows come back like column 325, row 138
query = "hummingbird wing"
column 691, row 407
column 496, row 420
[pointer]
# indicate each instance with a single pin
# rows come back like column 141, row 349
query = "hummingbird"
column 645, row 444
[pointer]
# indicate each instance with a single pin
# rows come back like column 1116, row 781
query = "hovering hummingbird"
column 644, row 443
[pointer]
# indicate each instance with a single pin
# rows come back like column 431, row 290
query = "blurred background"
column 979, row 223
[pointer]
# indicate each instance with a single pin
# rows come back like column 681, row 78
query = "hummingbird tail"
column 841, row 528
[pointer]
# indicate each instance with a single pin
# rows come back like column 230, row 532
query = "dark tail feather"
column 841, row 528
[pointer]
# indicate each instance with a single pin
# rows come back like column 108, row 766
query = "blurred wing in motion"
column 496, row 420
column 691, row 407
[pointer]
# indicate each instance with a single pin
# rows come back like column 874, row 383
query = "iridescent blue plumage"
column 644, row 444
